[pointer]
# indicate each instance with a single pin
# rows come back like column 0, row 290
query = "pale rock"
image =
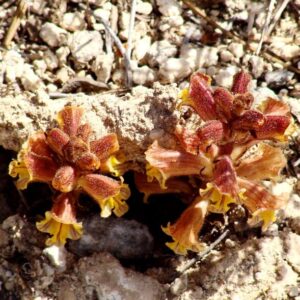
column 143, row 7
column 141, row 47
column 170, row 22
column 285, row 50
column 62, row 54
column 73, row 21
column 211, row 71
column 174, row 69
column 124, row 20
column 119, row 77
column 53, row 35
column 51, row 88
column 258, row 65
column 103, row 13
column 143, row 75
column 262, row 93
column 169, row 8
column 107, row 279
column 63, row 74
column 278, row 78
column 13, row 65
column 236, row 49
column 140, row 30
column 57, row 256
column 226, row 56
column 102, row 66
column 86, row 45
column 224, row 77
column 40, row 66
column 30, row 81
column 51, row 60
column 160, row 51
column 199, row 58
column 179, row 285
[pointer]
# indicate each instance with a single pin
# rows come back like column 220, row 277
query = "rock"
column 103, row 276
column 237, row 49
column 141, row 48
column 12, row 66
column 278, row 78
column 57, row 256
column 199, row 58
column 53, row 35
column 174, row 69
column 50, row 60
column 73, row 21
column 126, row 239
column 159, row 52
column 258, row 65
column 170, row 22
column 140, row 30
column 292, row 245
column 226, row 56
column 64, row 74
column 143, row 75
column 30, row 81
column 169, row 8
column 143, row 7
column 86, row 45
column 62, row 54
column 224, row 77
column 102, row 66
column 179, row 285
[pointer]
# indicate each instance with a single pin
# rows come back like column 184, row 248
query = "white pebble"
column 86, row 45
column 174, row 69
column 141, row 47
column 169, row 8
column 102, row 66
column 225, row 76
column 57, row 256
column 226, row 55
column 53, row 35
column 62, row 54
column 236, row 49
column 160, row 51
column 258, row 65
column 143, row 75
column 73, row 21
column 144, row 8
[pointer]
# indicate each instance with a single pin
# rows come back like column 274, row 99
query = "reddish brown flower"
column 65, row 158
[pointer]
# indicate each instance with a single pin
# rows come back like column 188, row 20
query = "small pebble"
column 53, row 35
column 57, row 256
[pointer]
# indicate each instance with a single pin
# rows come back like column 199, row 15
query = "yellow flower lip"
column 61, row 221
column 186, row 229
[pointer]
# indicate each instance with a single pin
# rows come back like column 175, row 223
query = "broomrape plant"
column 214, row 153
column 70, row 163
column 215, row 156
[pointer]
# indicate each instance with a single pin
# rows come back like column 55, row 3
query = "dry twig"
column 203, row 254
column 277, row 15
column 118, row 44
column 266, row 26
column 130, row 32
column 16, row 21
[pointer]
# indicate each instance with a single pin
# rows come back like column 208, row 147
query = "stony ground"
column 62, row 53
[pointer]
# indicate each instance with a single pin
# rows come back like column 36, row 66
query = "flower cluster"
column 216, row 154
column 70, row 163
